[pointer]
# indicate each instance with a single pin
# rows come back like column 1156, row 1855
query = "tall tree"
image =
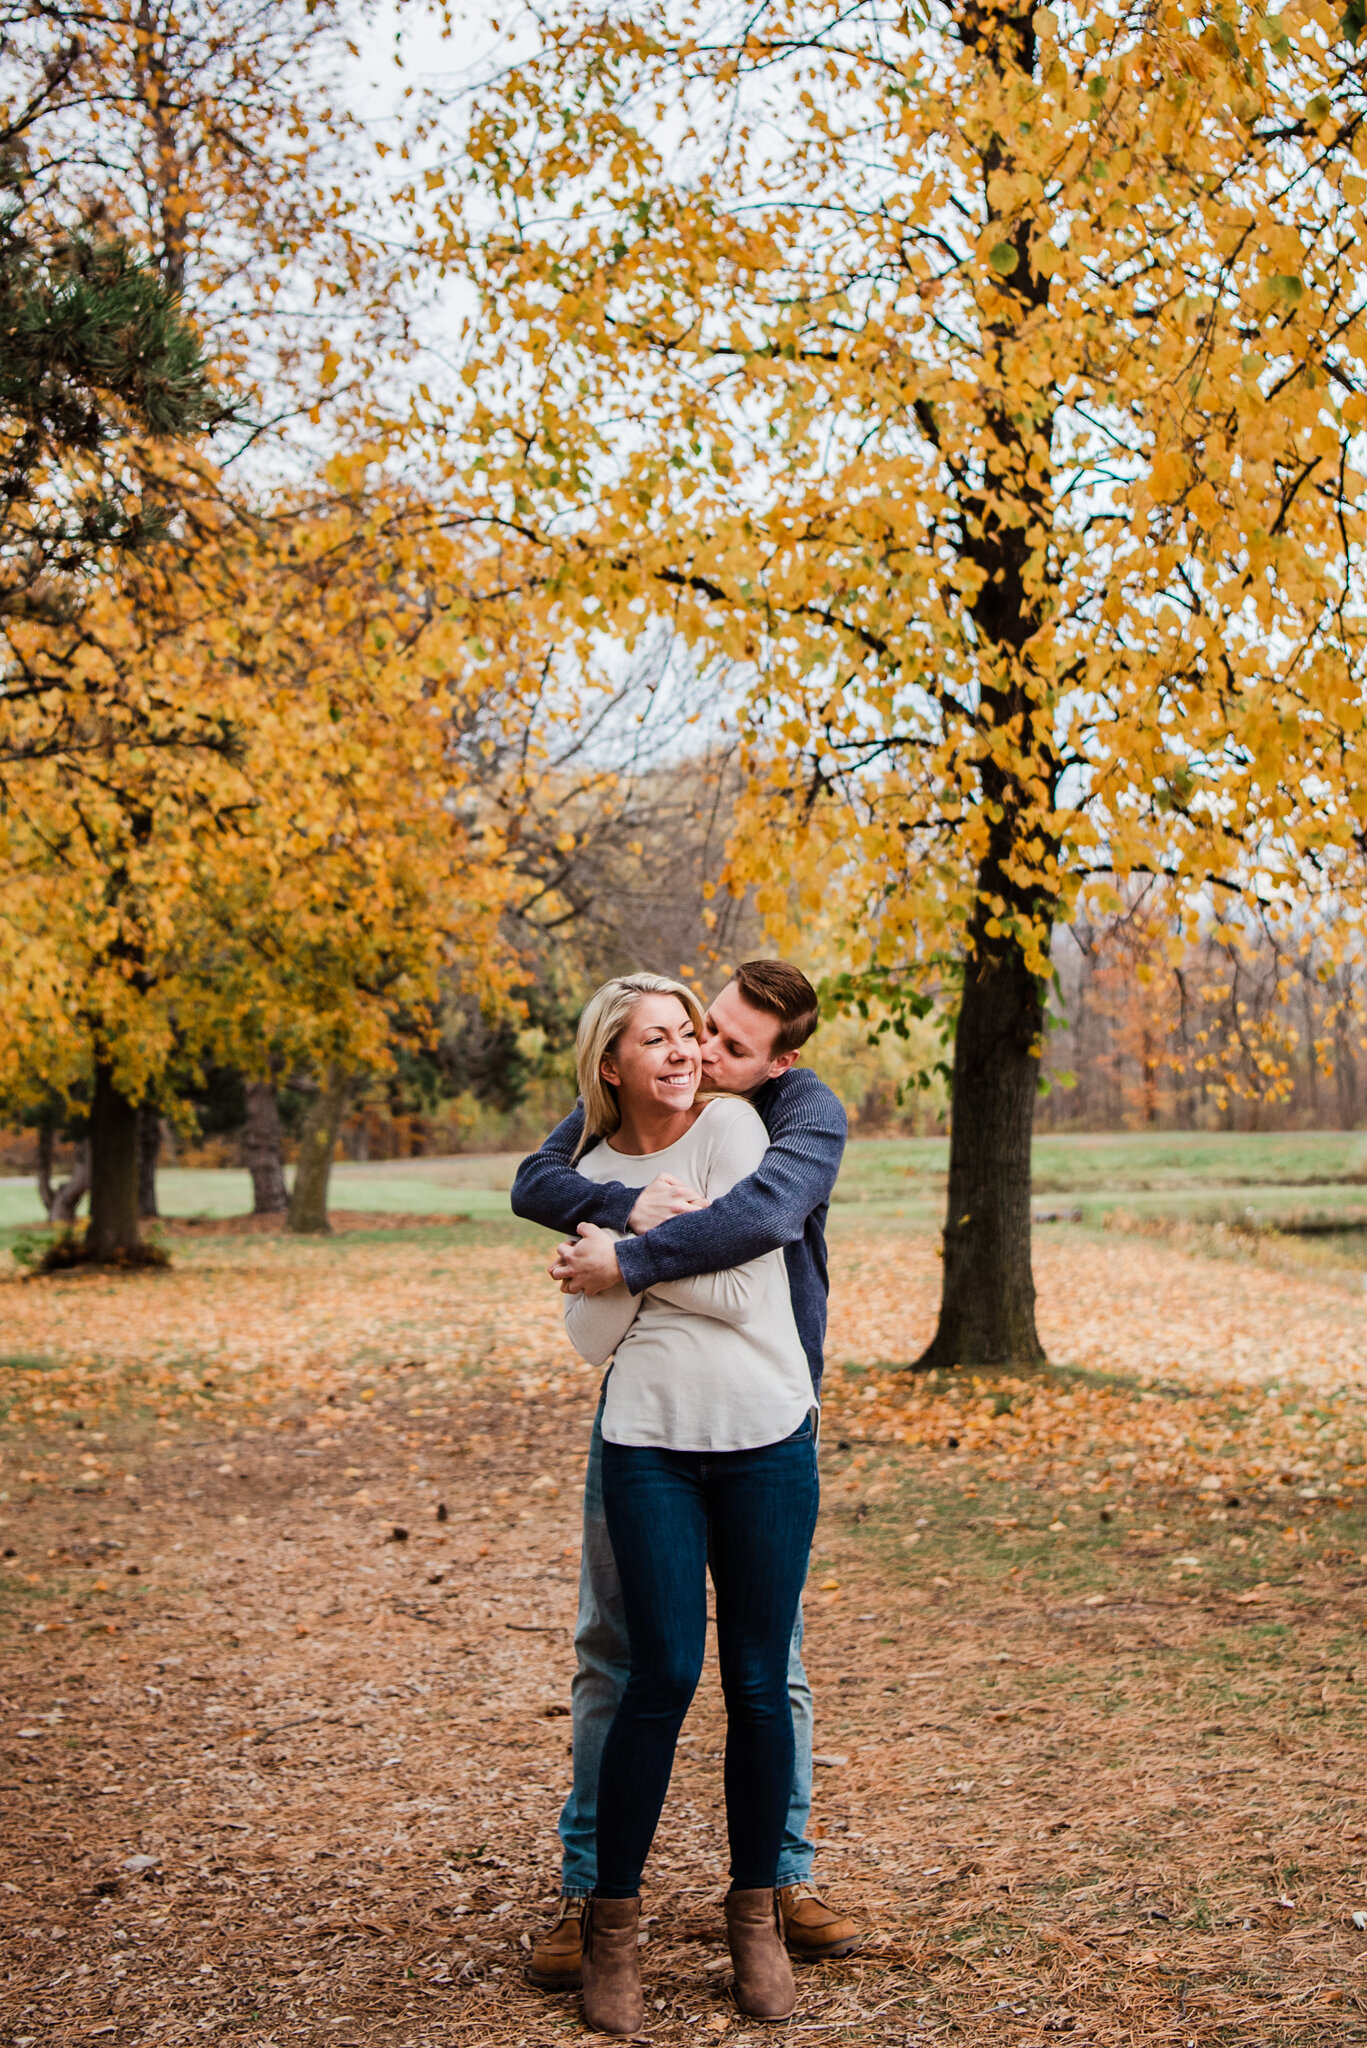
column 287, row 884
column 308, row 1209
column 212, row 143
column 990, row 380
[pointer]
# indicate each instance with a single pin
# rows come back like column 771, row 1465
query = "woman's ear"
column 610, row 1072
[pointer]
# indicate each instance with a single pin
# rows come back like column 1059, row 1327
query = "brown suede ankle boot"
column 612, row 1968
column 764, row 1976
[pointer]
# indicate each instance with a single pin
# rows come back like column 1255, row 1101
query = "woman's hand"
column 586, row 1264
column 662, row 1198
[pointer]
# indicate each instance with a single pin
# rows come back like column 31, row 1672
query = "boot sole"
column 825, row 1955
column 765, row 2019
column 561, row 1980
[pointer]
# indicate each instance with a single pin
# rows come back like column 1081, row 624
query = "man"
column 753, row 1034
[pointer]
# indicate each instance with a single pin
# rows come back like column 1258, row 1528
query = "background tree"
column 308, row 1203
column 264, row 1150
column 990, row 382
column 284, row 895
column 1258, row 1030
column 217, row 141
column 209, row 144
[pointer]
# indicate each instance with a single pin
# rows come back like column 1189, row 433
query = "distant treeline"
column 1256, row 1035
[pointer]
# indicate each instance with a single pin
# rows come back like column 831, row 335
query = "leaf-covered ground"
column 1089, row 1653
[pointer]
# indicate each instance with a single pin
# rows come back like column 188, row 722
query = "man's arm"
column 549, row 1190
column 807, row 1131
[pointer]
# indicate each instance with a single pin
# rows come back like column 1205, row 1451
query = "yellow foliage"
column 251, row 824
column 216, row 140
column 989, row 389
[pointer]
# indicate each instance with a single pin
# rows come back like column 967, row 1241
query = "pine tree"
column 96, row 358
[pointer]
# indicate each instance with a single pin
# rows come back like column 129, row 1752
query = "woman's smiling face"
column 656, row 1062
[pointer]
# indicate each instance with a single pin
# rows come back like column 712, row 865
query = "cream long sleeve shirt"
column 714, row 1363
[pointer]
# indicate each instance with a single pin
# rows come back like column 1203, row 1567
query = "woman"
column 708, row 1457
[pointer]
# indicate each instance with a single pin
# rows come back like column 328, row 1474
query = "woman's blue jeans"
column 751, row 1515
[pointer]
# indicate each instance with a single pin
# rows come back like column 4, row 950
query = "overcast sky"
column 430, row 57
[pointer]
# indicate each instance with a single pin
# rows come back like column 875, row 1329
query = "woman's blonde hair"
column 605, row 1017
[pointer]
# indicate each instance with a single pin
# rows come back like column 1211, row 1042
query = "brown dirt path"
column 271, row 1773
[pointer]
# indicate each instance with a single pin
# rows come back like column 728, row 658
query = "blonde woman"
column 709, row 1459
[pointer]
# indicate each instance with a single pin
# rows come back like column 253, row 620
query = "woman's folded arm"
column 728, row 1297
column 597, row 1323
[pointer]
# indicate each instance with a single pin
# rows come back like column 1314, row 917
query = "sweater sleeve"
column 549, row 1190
column 766, row 1210
column 597, row 1323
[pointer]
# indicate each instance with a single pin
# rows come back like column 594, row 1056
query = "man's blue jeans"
column 603, row 1661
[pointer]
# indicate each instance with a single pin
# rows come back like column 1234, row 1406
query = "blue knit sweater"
column 782, row 1203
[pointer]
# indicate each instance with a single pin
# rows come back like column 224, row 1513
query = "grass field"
column 289, row 1537
column 1180, row 1174
column 475, row 1186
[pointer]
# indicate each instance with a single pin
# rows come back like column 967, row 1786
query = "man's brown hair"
column 784, row 992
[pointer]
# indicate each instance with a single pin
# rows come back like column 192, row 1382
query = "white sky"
column 430, row 57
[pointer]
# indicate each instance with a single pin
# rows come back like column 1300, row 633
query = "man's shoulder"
column 557, row 1153
column 800, row 1099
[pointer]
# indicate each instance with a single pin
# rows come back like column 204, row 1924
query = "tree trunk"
column 45, row 1190
column 61, row 1203
column 987, row 1310
column 265, row 1156
column 67, row 1199
column 987, row 1307
column 309, row 1202
column 149, row 1149
column 1345, row 1076
column 114, row 1120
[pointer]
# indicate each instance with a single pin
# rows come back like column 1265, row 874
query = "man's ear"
column 782, row 1063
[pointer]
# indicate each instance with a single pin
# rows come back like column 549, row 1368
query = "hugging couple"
column 699, row 1270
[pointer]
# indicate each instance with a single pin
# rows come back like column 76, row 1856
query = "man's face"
column 738, row 1045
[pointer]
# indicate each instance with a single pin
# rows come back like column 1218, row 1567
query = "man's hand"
column 665, row 1197
column 587, row 1264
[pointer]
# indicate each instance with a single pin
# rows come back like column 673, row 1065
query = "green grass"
column 1174, row 1173
column 445, row 1187
column 1202, row 1176
column 1183, row 1178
